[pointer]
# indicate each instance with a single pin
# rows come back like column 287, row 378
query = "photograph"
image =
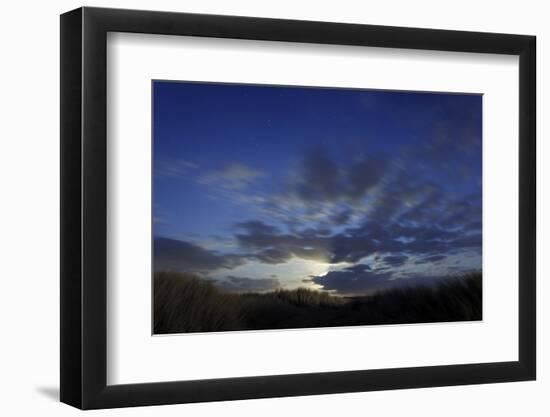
column 288, row 207
column 274, row 205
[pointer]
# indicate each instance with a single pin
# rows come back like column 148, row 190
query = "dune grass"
column 304, row 297
column 185, row 303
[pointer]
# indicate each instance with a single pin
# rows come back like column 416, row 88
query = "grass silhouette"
column 185, row 303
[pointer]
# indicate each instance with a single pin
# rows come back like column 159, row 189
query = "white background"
column 134, row 356
column 29, row 211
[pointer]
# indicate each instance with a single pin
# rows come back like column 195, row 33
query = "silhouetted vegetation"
column 185, row 303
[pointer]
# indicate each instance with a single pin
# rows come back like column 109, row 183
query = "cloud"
column 352, row 282
column 450, row 153
column 325, row 190
column 174, row 168
column 320, row 179
column 179, row 255
column 402, row 194
column 274, row 247
column 257, row 227
column 233, row 176
column 358, row 268
column 331, row 210
column 395, row 260
column 471, row 241
column 466, row 213
column 430, row 259
column 245, row 284
column 394, row 241
column 323, row 194
column 341, row 217
column 365, row 175
column 274, row 256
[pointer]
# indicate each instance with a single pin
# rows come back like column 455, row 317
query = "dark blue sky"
column 345, row 190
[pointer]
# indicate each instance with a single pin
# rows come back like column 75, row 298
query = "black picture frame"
column 84, row 207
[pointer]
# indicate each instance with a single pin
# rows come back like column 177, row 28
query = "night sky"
column 349, row 191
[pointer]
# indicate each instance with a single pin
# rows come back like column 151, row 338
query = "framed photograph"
column 257, row 208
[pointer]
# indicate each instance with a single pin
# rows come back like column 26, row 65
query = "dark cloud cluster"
column 272, row 246
column 358, row 268
column 352, row 282
column 333, row 212
column 409, row 186
column 322, row 179
column 397, row 241
column 178, row 255
column 322, row 183
column 395, row 260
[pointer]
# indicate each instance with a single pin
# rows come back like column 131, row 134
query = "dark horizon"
column 342, row 190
